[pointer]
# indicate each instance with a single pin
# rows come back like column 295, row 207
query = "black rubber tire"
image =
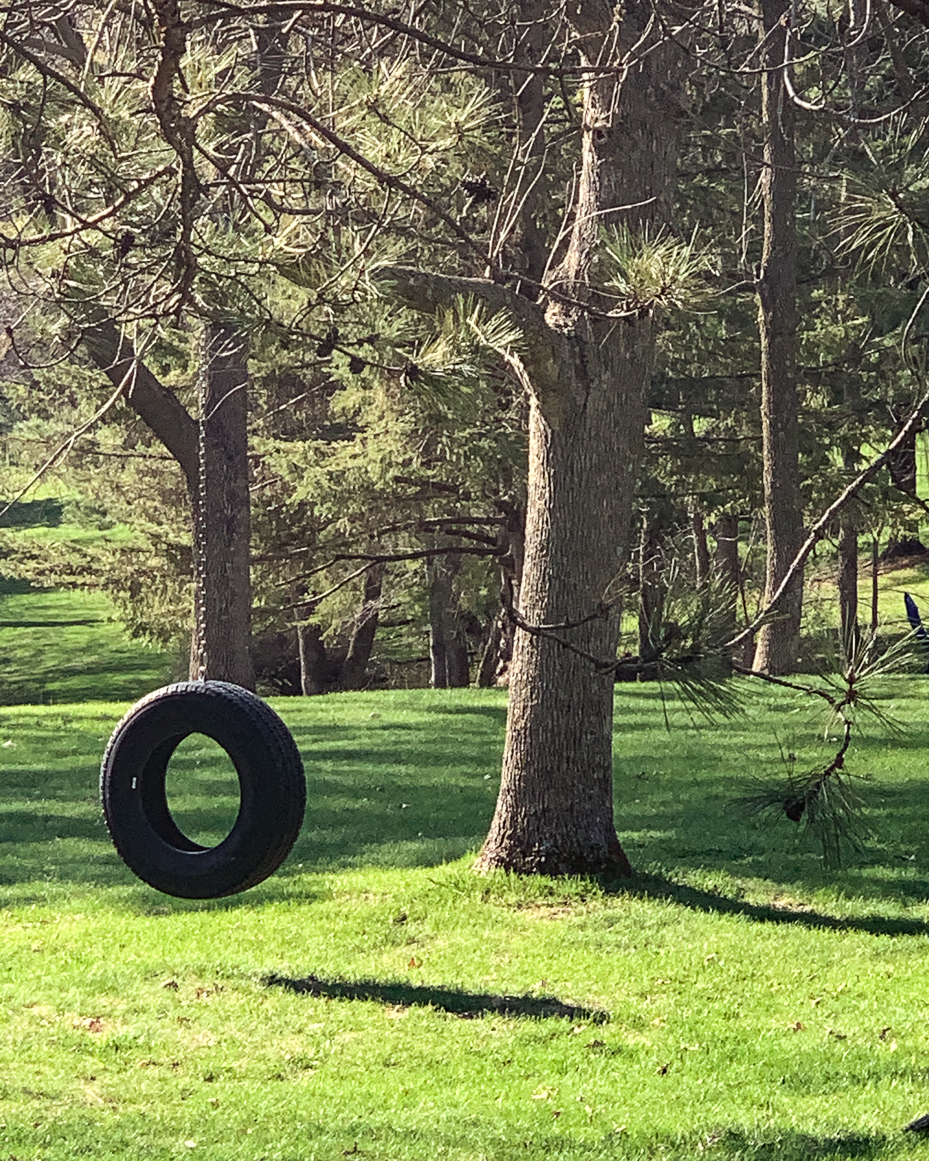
column 135, row 805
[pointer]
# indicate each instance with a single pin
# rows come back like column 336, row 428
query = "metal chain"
column 201, row 508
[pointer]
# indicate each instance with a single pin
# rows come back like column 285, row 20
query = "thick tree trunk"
column 554, row 813
column 222, row 579
column 779, row 640
column 224, row 534
column 555, row 810
column 587, row 374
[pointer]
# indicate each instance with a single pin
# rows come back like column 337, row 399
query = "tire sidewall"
column 255, row 740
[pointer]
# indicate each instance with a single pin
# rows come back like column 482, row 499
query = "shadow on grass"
column 792, row 1145
column 788, row 1145
column 695, row 899
column 33, row 513
column 51, row 624
column 468, row 1005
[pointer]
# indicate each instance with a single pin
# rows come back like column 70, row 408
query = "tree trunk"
column 222, row 579
column 701, row 548
column 555, row 810
column 225, row 532
column 779, row 640
column 729, row 568
column 439, row 584
column 848, row 583
column 448, row 646
column 901, row 463
column 531, row 110
column 315, row 667
column 498, row 653
column 355, row 666
column 651, row 588
column 554, row 813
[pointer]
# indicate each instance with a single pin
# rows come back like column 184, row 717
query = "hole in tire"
column 202, row 789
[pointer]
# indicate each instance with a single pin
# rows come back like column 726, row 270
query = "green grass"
column 65, row 647
column 377, row 999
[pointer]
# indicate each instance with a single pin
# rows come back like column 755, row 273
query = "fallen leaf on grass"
column 88, row 1023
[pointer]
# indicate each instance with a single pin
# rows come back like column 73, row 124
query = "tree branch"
column 819, row 529
column 536, row 366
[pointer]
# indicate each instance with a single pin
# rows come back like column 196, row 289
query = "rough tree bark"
column 778, row 641
column 226, row 564
column 222, row 524
column 586, row 374
column 555, row 809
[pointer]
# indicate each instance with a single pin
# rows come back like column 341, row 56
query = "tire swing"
column 135, row 803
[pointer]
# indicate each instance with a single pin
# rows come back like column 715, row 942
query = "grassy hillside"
column 58, row 647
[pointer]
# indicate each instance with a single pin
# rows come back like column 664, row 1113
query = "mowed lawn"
column 378, row 999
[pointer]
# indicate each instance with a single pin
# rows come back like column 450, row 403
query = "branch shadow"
column 468, row 1005
column 695, row 899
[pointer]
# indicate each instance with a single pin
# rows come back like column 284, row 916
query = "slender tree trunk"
column 222, row 579
column 355, row 666
column 848, row 583
column 701, row 548
column 440, row 615
column 498, row 653
column 728, row 566
column 651, row 587
column 448, row 647
column 531, row 105
column 779, row 640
